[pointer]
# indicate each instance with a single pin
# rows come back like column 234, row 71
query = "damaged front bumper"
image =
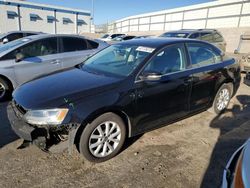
column 45, row 137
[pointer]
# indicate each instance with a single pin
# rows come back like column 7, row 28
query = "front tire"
column 102, row 139
column 5, row 90
column 222, row 99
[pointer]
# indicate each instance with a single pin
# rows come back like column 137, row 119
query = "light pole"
column 92, row 14
column 92, row 17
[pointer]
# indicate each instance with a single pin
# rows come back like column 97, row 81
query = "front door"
column 160, row 102
column 39, row 58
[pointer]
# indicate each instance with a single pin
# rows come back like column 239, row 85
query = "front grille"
column 19, row 108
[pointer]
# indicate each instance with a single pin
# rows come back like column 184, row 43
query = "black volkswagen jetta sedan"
column 122, row 91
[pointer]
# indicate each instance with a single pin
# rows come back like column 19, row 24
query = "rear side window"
column 206, row 36
column 71, row 44
column 39, row 48
column 202, row 54
column 218, row 37
column 14, row 36
column 92, row 44
column 29, row 34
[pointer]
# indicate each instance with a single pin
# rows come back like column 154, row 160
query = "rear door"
column 205, row 60
column 74, row 50
column 165, row 100
column 39, row 58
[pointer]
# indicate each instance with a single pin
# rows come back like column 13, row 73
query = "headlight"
column 46, row 117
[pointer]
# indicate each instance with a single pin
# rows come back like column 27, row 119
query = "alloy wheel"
column 2, row 90
column 223, row 99
column 104, row 139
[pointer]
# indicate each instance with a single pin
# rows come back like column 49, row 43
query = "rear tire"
column 103, row 138
column 5, row 90
column 222, row 99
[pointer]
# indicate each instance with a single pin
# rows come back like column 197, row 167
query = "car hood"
column 57, row 89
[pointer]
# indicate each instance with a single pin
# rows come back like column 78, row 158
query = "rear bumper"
column 21, row 128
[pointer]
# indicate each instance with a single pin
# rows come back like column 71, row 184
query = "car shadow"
column 233, row 133
column 6, row 134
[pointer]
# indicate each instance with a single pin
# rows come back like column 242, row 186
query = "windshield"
column 105, row 36
column 119, row 60
column 176, row 35
column 13, row 44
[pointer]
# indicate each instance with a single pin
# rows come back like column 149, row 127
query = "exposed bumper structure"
column 21, row 128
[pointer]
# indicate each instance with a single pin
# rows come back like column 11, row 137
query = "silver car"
column 30, row 57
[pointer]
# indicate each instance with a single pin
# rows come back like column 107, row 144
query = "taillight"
column 238, row 181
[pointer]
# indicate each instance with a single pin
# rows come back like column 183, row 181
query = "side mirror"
column 19, row 57
column 5, row 40
column 151, row 76
column 236, row 51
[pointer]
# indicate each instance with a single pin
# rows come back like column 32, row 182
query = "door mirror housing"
column 19, row 57
column 151, row 76
column 5, row 40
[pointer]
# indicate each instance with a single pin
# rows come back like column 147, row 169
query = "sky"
column 110, row 10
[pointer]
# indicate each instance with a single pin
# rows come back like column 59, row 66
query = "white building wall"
column 68, row 28
column 5, row 23
column 215, row 14
column 83, row 28
column 41, row 24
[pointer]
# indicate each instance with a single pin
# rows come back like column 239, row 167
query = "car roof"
column 187, row 31
column 155, row 42
column 43, row 35
column 10, row 32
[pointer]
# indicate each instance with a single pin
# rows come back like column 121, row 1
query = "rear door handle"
column 56, row 62
column 188, row 80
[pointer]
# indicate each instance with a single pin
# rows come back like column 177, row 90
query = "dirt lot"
column 190, row 153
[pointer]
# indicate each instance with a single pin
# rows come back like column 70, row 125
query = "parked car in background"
column 121, row 38
column 124, row 90
column 237, row 171
column 14, row 35
column 143, row 37
column 210, row 35
column 24, row 59
column 109, row 37
column 242, row 53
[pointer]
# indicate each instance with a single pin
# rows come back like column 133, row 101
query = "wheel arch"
column 10, row 83
column 96, row 114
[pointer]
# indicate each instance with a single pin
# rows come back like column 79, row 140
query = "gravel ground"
column 189, row 153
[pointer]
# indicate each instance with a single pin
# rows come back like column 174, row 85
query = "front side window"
column 13, row 44
column 202, row 54
column 71, row 44
column 119, row 60
column 39, row 48
column 171, row 59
